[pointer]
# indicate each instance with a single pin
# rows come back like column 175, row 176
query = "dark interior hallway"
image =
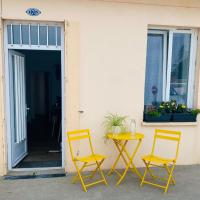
column 43, row 95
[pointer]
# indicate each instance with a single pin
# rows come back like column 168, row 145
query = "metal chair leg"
column 169, row 179
column 168, row 171
column 145, row 173
column 102, row 175
column 81, row 179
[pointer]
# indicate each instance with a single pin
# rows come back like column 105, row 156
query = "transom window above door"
column 170, row 66
column 34, row 35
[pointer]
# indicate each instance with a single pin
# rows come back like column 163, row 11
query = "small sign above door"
column 33, row 11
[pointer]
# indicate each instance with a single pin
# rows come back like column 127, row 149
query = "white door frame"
column 7, row 91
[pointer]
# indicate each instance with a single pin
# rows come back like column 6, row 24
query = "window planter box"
column 161, row 118
column 184, row 117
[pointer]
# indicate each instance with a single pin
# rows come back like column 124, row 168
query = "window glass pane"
column 154, row 69
column 59, row 36
column 43, row 35
column 16, row 34
column 180, row 67
column 34, row 35
column 52, row 35
column 9, row 33
column 25, row 34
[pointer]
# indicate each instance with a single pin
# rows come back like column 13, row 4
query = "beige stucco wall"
column 177, row 3
column 105, row 66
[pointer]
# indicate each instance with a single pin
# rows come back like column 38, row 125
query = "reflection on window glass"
column 16, row 34
column 43, row 35
column 59, row 36
column 9, row 33
column 180, row 67
column 154, row 69
column 34, row 35
column 25, row 34
column 52, row 35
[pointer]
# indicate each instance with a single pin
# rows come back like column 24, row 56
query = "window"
column 170, row 66
column 33, row 34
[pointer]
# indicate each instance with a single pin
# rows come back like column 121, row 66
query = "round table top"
column 125, row 136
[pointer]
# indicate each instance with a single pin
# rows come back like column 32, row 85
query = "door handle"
column 27, row 110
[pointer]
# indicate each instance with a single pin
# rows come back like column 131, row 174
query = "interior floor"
column 42, row 154
column 43, row 94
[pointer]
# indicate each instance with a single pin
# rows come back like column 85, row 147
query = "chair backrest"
column 77, row 135
column 168, row 135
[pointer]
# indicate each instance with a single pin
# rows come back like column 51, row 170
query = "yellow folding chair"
column 166, row 163
column 90, row 160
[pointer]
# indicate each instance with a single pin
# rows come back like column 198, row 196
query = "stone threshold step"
column 33, row 176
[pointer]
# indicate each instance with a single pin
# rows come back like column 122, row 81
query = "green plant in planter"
column 156, row 114
column 181, row 108
column 153, row 111
column 173, row 105
column 168, row 107
column 183, row 114
column 170, row 111
column 115, row 123
column 194, row 111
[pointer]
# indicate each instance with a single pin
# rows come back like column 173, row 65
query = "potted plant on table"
column 115, row 123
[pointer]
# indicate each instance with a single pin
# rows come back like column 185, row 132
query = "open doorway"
column 42, row 71
column 34, row 60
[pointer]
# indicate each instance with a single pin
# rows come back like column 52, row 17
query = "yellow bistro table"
column 121, row 141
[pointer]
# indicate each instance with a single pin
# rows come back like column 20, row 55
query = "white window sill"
column 170, row 124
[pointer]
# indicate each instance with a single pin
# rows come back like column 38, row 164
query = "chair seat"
column 91, row 158
column 157, row 159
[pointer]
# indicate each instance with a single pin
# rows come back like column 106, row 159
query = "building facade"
column 103, row 66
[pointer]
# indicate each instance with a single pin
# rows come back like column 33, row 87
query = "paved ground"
column 187, row 188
